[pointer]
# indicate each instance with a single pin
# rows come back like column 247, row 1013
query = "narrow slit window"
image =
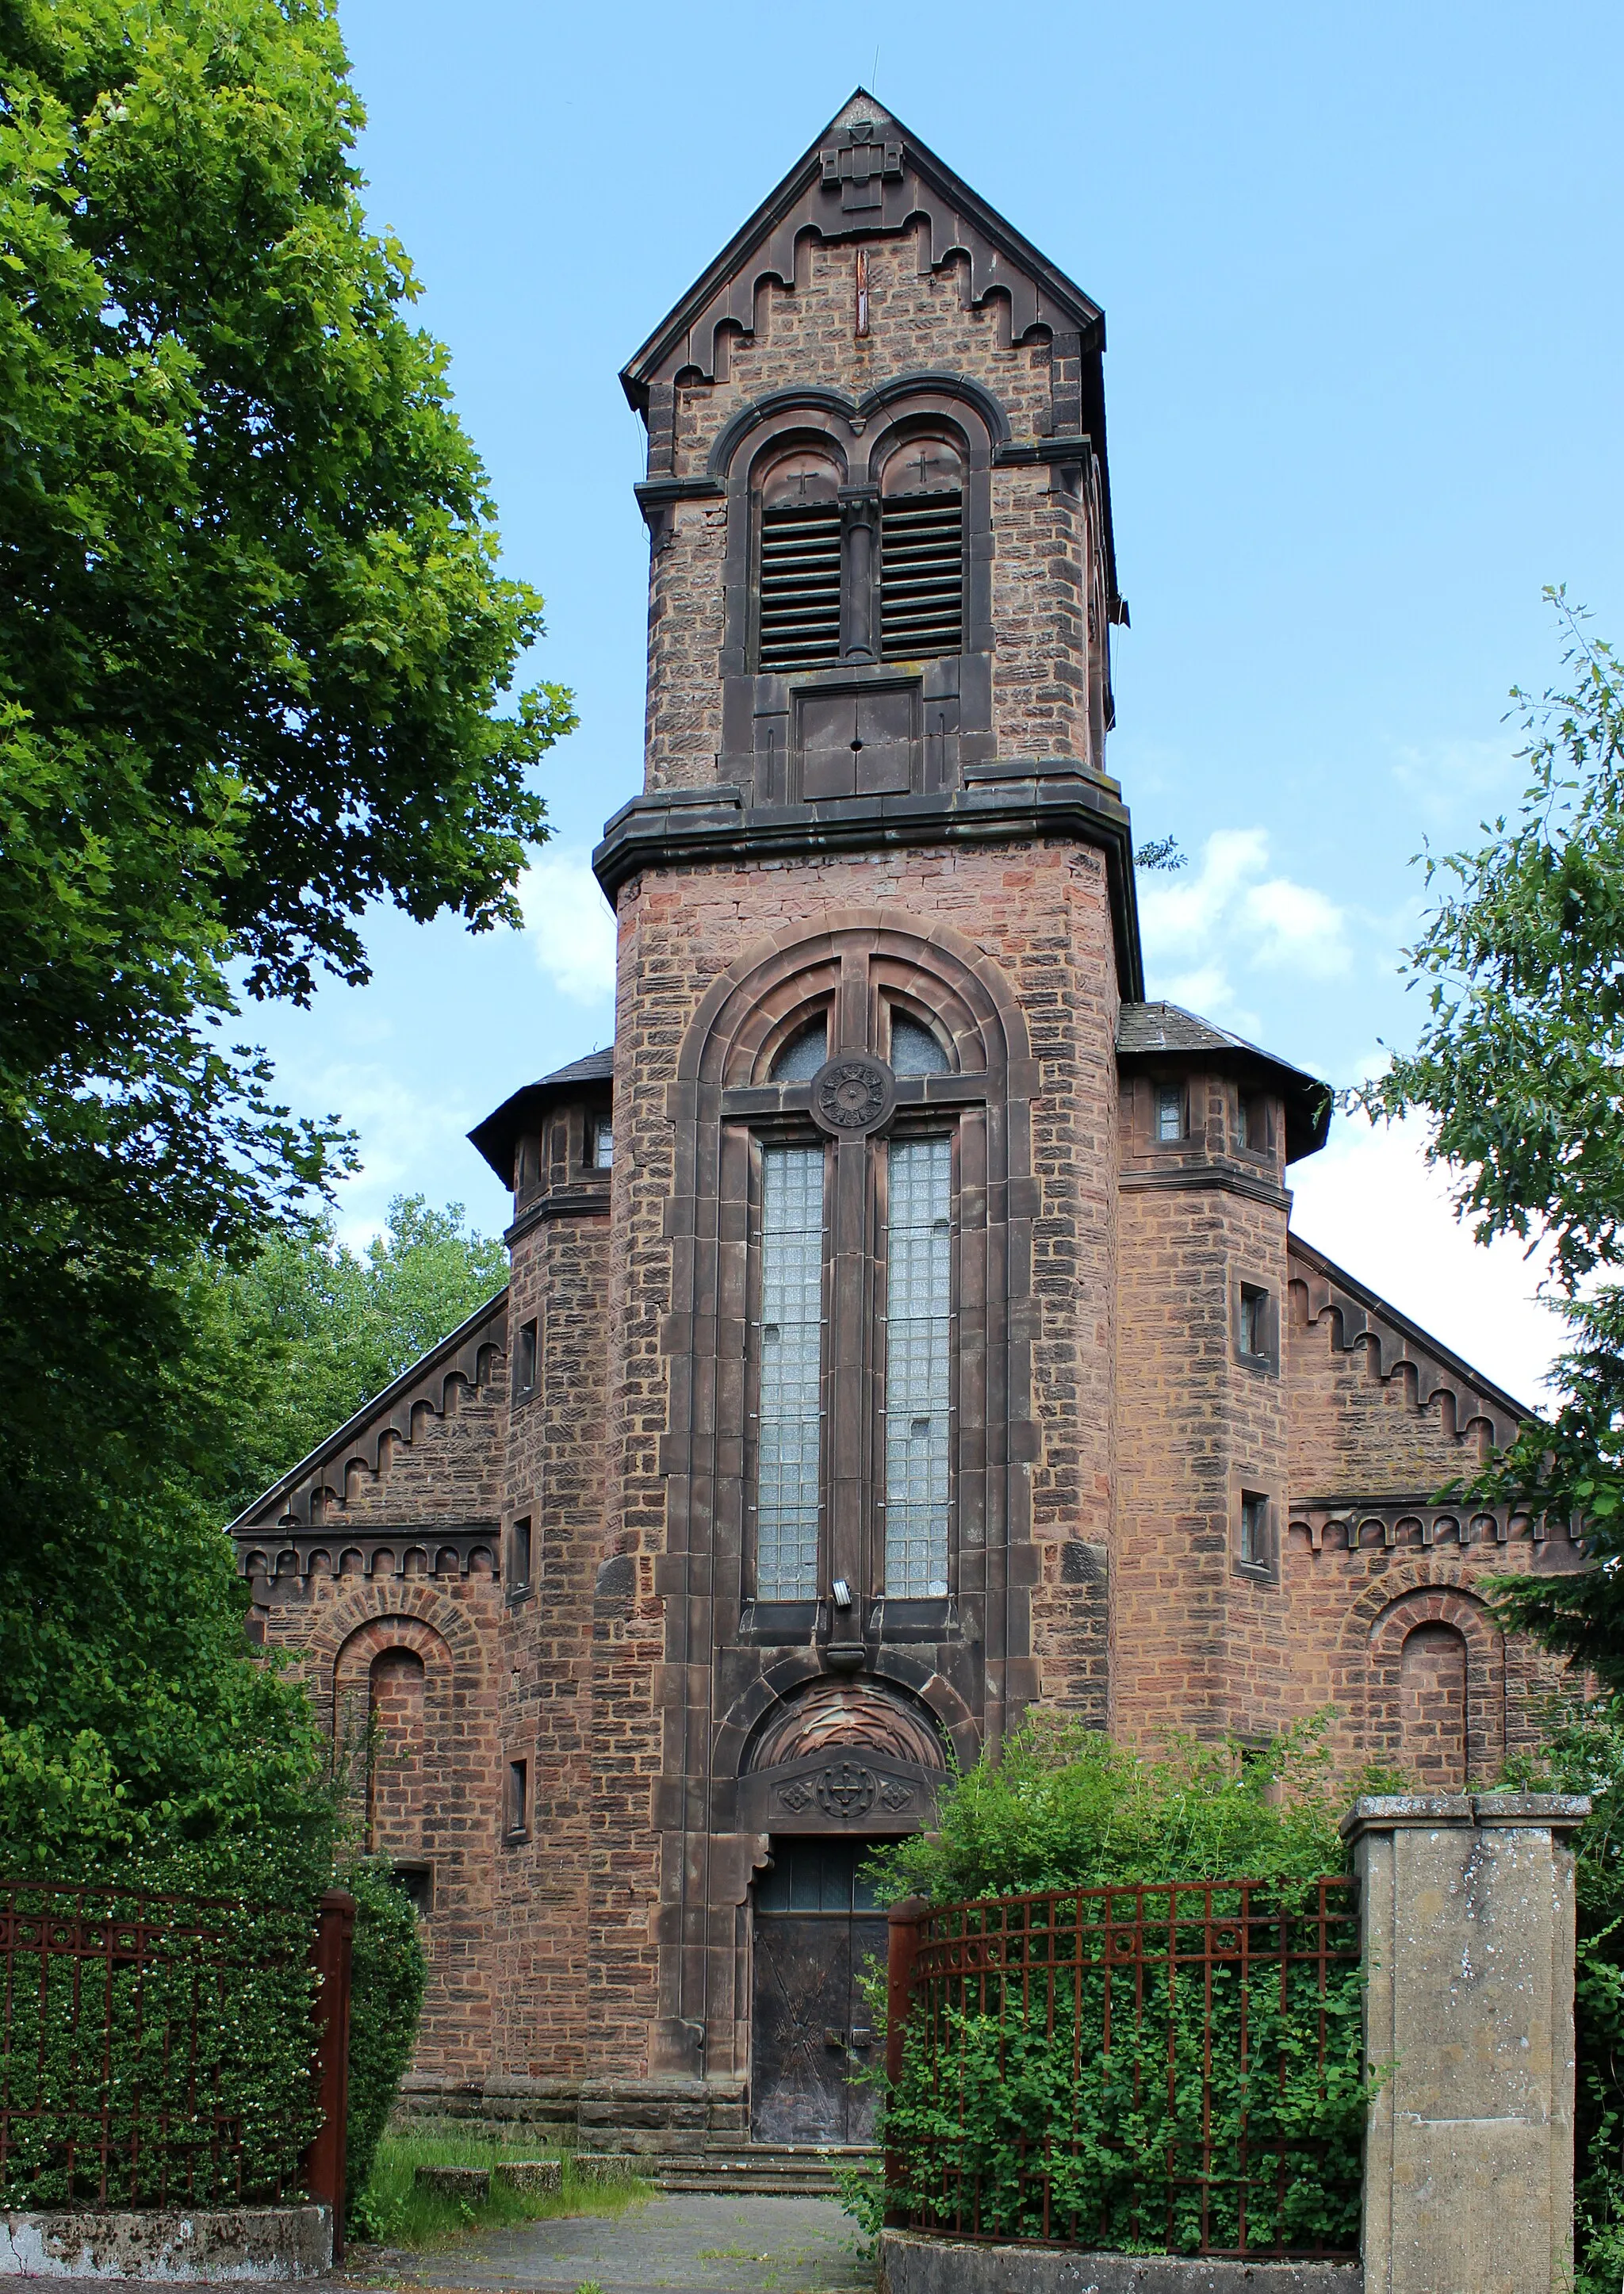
column 524, row 1362
column 919, row 1301
column 789, row 1361
column 518, row 1556
column 602, row 1144
column 1169, row 1111
column 799, row 624
column 518, row 1799
column 1254, row 1330
column 1253, row 1530
column 922, row 552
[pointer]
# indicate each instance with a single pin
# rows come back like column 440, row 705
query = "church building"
column 905, row 1329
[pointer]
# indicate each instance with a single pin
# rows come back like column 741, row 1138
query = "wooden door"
column 817, row 1925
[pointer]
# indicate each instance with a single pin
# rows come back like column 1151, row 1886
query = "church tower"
column 876, row 920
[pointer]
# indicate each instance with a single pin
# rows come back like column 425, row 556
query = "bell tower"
column 875, row 911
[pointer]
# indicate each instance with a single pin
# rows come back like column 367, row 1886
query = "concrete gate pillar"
column 1467, row 1905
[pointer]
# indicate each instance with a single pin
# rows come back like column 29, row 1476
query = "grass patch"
column 393, row 2211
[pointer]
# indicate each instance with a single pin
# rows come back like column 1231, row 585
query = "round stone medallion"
column 852, row 1094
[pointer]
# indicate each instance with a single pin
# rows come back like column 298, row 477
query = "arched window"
column 921, row 551
column 800, row 564
column 860, row 573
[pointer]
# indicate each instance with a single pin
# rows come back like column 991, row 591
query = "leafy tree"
column 256, row 659
column 1521, row 1069
column 311, row 1330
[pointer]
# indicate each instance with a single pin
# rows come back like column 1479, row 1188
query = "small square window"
column 518, row 1558
column 416, row 1883
column 1169, row 1111
column 525, row 1361
column 602, row 1145
column 518, row 1800
column 1255, row 1552
column 1254, row 1320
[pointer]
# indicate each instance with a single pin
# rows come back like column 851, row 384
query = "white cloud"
column 570, row 923
column 1369, row 1201
column 1231, row 915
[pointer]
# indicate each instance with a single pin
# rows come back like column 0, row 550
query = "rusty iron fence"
column 160, row 2050
column 1173, row 2066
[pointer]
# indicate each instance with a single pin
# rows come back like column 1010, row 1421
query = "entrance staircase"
column 784, row 2170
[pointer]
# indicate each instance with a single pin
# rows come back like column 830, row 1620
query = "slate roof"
column 1165, row 1034
column 499, row 1134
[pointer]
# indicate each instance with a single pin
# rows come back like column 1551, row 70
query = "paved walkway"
column 670, row 2246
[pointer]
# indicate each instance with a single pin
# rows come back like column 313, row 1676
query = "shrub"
column 388, row 1972
column 1114, row 2105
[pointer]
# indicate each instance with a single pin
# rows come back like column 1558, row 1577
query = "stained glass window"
column 790, row 1365
column 917, row 1367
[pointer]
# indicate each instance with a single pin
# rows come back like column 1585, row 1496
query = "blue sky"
column 1360, row 276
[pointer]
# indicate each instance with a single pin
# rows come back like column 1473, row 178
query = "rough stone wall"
column 806, row 337
column 1198, row 1642
column 555, row 1481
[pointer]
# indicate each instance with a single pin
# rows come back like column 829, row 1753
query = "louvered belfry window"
column 921, row 551
column 800, row 565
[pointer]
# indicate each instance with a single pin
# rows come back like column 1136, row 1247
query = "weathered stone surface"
column 220, row 2247
column 541, row 2177
column 911, row 2264
column 468, row 2183
column 1468, row 1913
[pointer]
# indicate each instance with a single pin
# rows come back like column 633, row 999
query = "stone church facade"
column 905, row 1327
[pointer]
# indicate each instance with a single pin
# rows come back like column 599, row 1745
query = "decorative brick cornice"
column 1230, row 1176
column 1333, row 1525
column 1358, row 1316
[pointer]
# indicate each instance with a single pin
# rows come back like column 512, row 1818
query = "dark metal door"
column 816, row 1928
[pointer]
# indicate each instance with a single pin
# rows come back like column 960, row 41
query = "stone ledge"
column 1439, row 1811
column 223, row 2246
column 910, row 2264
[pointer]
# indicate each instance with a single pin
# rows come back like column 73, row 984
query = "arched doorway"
column 831, row 1776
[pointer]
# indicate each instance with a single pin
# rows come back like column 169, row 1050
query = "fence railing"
column 159, row 2050
column 1174, row 2065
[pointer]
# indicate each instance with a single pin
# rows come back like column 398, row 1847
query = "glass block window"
column 918, row 1305
column 790, row 1363
column 1169, row 1111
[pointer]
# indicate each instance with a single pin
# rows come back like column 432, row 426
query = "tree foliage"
column 309, row 1330
column 256, row 672
column 1520, row 1067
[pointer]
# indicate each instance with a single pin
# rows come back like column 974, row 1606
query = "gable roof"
column 456, row 1356
column 815, row 198
column 1363, row 1312
column 501, row 1130
column 1166, row 1034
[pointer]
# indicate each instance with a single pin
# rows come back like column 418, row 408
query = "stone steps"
column 789, row 2170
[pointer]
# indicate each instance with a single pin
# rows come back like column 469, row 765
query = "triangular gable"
column 467, row 1356
column 867, row 173
column 1361, row 1315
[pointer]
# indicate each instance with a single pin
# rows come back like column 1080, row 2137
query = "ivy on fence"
column 156, row 2049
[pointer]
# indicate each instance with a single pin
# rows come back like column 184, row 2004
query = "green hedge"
column 388, row 1975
